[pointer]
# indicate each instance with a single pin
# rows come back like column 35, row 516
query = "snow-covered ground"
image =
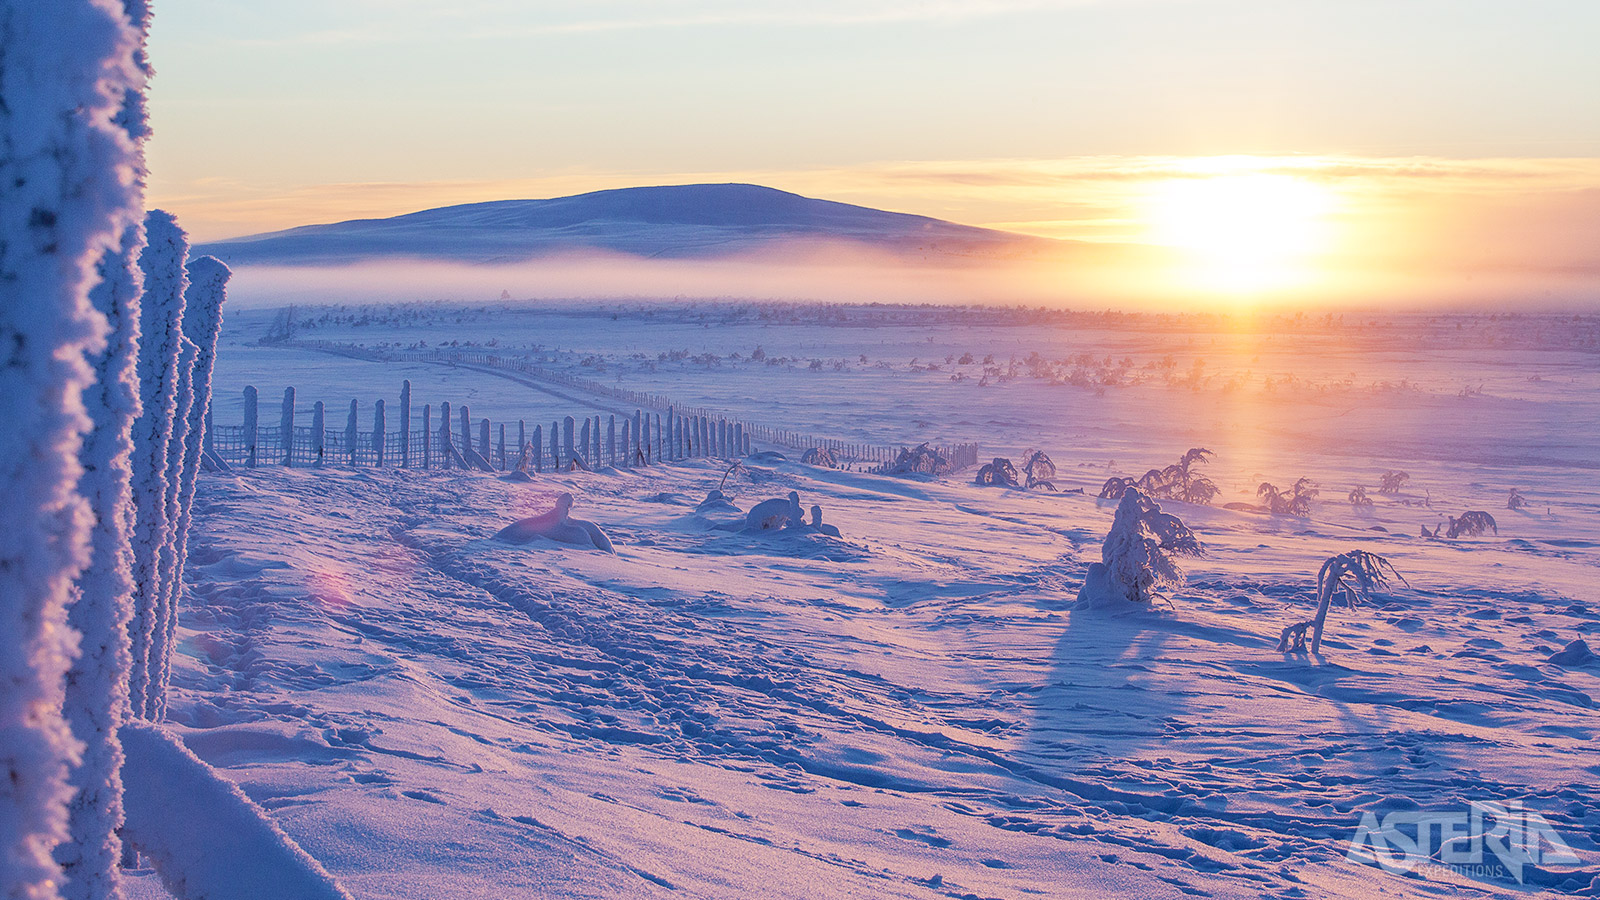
column 916, row 708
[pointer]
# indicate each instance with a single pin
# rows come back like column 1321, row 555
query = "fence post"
column 657, row 442
column 427, row 435
column 555, row 446
column 672, row 450
column 319, row 432
column 250, row 426
column 444, row 434
column 569, row 442
column 611, row 440
column 583, row 443
column 466, row 433
column 286, row 427
column 484, row 450
column 522, row 437
column 377, row 431
column 405, row 424
column 350, row 433
column 633, row 448
column 598, row 459
column 627, row 436
column 538, row 448
column 502, row 446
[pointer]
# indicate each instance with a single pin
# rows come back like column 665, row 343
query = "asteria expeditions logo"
column 1513, row 837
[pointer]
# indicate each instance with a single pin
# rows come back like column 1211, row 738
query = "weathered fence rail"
column 685, row 432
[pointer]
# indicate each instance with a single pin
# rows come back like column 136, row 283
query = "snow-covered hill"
column 678, row 221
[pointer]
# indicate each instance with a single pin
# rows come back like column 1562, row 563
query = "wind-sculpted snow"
column 706, row 713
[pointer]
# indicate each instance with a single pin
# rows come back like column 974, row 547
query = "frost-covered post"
column 466, row 431
column 522, row 436
column 350, row 433
column 568, row 441
column 405, row 424
column 538, row 448
column 286, row 426
column 378, row 432
column 672, row 451
column 319, row 432
column 157, row 441
column 202, row 323
column 502, row 446
column 427, row 435
column 251, row 401
column 555, row 446
column 583, row 443
column 483, row 440
column 171, row 578
column 627, row 436
column 657, row 442
column 738, row 439
column 633, row 448
column 611, row 440
column 69, row 198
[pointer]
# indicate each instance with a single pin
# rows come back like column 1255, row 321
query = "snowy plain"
column 916, row 708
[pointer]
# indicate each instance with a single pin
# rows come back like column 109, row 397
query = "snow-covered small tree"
column 1178, row 481
column 1358, row 497
column 999, row 473
column 1294, row 502
column 1392, row 481
column 1352, row 577
column 1470, row 524
column 1039, row 471
column 1139, row 556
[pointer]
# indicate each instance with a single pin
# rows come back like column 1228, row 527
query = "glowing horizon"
column 1367, row 152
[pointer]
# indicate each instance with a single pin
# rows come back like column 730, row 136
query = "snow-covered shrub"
column 1358, row 497
column 819, row 456
column 999, row 473
column 1178, row 481
column 919, row 460
column 1470, row 524
column 1515, row 500
column 1039, row 471
column 70, row 198
column 1350, row 576
column 1138, row 558
column 1295, row 502
column 1392, row 481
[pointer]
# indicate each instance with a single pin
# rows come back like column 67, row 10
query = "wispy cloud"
column 413, row 20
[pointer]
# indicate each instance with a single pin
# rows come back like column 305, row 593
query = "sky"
column 1425, row 137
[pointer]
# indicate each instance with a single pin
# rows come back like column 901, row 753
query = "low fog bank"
column 1097, row 277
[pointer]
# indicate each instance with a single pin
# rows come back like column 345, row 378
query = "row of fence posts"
column 591, row 442
column 959, row 455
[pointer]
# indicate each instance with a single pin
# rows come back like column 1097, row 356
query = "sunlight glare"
column 1243, row 234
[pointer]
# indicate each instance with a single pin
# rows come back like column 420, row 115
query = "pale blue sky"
column 417, row 102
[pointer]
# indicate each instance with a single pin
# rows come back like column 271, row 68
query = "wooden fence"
column 457, row 440
column 701, row 423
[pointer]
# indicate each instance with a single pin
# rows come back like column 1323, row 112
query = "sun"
column 1241, row 234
